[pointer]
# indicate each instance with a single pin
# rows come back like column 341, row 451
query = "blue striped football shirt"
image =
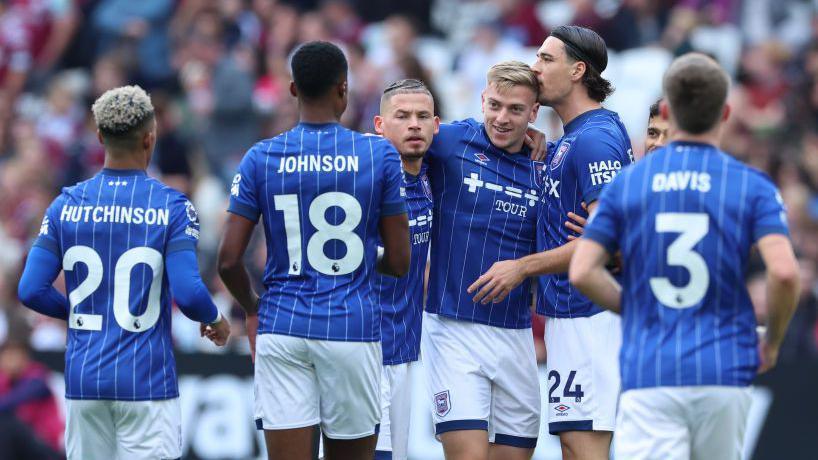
column 593, row 149
column 485, row 210
column 685, row 219
column 112, row 233
column 401, row 299
column 321, row 190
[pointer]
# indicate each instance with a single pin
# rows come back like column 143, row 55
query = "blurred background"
column 217, row 71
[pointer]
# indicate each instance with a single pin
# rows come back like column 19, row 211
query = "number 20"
column 122, row 287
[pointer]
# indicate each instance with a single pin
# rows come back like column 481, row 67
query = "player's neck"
column 573, row 107
column 412, row 166
column 711, row 137
column 123, row 162
column 317, row 114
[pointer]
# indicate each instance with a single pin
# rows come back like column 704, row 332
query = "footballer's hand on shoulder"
column 497, row 282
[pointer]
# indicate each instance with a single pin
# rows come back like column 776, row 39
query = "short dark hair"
column 653, row 112
column 696, row 90
column 585, row 45
column 317, row 66
column 405, row 86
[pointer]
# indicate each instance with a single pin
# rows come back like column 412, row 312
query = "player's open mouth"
column 502, row 130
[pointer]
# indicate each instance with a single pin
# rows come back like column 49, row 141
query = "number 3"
column 693, row 227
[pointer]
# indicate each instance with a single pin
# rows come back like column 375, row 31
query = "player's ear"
column 437, row 124
column 378, row 124
column 578, row 70
column 99, row 138
column 293, row 89
column 726, row 112
column 533, row 116
column 342, row 88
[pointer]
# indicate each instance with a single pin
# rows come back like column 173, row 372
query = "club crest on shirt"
column 539, row 173
column 556, row 161
column 481, row 158
column 442, row 405
column 427, row 189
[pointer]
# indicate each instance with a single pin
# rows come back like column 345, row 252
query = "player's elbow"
column 579, row 273
column 227, row 264
column 27, row 293
column 785, row 274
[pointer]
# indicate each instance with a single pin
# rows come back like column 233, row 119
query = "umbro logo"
column 481, row 158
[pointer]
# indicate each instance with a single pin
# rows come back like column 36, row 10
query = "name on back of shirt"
column 681, row 180
column 115, row 214
column 318, row 163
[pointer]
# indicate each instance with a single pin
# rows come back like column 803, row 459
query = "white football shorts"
column 303, row 382
column 583, row 372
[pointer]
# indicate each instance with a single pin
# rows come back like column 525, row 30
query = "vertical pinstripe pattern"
column 482, row 198
column 401, row 299
column 594, row 139
column 114, row 359
column 302, row 166
column 713, row 341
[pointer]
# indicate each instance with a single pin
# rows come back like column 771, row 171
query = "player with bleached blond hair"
column 127, row 245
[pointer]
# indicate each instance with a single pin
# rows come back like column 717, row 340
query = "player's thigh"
column 285, row 384
column 89, row 430
column 516, row 401
column 349, row 376
column 459, row 391
column 718, row 421
column 292, row 444
column 396, row 403
column 582, row 373
column 465, row 444
column 148, row 429
column 651, row 425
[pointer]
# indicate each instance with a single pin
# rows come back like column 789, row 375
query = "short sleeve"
column 49, row 236
column 605, row 224
column 597, row 159
column 769, row 213
column 243, row 196
column 393, row 202
column 183, row 228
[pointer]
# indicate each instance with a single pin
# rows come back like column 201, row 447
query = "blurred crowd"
column 218, row 75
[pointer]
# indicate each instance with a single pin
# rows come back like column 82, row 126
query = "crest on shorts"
column 442, row 404
column 556, row 161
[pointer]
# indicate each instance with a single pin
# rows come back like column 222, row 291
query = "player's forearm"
column 35, row 289
column 237, row 281
column 782, row 299
column 188, row 289
column 599, row 286
column 548, row 262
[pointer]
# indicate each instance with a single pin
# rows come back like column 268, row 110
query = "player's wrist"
column 219, row 319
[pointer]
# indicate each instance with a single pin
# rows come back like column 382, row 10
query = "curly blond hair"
column 121, row 112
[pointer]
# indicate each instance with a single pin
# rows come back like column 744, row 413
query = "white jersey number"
column 693, row 227
column 122, row 287
column 325, row 232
